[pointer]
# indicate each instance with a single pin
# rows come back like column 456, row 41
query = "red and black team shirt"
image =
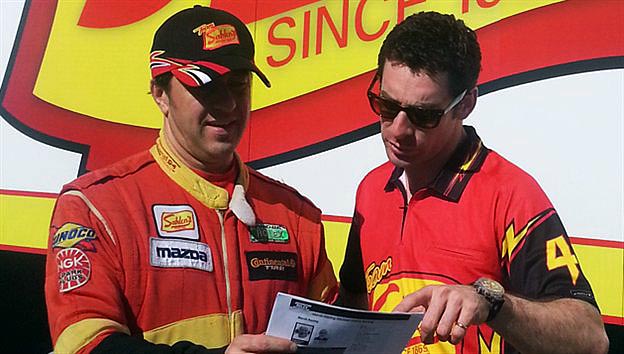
column 481, row 217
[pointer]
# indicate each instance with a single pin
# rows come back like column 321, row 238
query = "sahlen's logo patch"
column 70, row 235
column 176, row 221
column 74, row 269
column 265, row 233
column 272, row 265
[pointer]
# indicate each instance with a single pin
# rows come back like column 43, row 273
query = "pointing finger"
column 414, row 301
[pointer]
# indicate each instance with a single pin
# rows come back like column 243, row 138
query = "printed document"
column 321, row 328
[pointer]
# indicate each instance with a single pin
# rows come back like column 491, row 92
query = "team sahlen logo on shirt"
column 393, row 288
column 376, row 272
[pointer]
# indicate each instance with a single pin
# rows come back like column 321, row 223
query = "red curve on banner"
column 249, row 14
column 115, row 13
column 108, row 142
column 525, row 42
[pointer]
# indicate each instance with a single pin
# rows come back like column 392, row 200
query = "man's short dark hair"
column 434, row 44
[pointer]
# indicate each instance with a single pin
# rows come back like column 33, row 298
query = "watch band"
column 493, row 293
column 494, row 310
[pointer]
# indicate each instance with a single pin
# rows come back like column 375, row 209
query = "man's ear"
column 469, row 102
column 161, row 98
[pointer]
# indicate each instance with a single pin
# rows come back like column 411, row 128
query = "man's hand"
column 260, row 343
column 449, row 310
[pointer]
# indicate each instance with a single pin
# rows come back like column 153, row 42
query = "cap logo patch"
column 217, row 36
column 74, row 269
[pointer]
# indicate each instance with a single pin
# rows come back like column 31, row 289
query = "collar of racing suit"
column 205, row 192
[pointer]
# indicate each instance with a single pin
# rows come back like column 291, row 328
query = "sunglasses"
column 425, row 118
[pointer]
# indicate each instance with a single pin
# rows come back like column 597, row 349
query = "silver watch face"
column 491, row 287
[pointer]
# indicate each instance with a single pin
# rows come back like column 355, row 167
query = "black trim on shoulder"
column 530, row 274
column 351, row 272
column 463, row 164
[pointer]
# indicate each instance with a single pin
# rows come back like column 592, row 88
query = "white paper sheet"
column 321, row 328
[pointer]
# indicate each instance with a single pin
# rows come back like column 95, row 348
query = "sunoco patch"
column 74, row 269
column 272, row 265
column 70, row 235
column 265, row 233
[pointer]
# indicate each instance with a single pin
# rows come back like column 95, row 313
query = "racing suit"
column 148, row 248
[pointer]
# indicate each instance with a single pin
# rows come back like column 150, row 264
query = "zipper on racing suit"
column 228, row 290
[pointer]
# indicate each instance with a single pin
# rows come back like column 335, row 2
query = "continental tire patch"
column 272, row 265
column 74, row 269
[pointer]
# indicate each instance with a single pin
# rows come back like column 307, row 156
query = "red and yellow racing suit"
column 148, row 248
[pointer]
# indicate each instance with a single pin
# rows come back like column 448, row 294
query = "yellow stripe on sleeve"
column 81, row 333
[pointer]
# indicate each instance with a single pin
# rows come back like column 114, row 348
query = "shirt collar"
column 210, row 195
column 450, row 183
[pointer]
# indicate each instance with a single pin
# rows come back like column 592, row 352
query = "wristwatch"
column 493, row 292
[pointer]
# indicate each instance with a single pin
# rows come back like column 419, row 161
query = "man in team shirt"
column 449, row 226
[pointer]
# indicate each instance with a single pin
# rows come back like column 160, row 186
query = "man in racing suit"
column 182, row 248
column 449, row 226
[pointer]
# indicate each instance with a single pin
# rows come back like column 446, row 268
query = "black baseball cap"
column 199, row 44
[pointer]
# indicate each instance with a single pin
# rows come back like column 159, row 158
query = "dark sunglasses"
column 425, row 118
